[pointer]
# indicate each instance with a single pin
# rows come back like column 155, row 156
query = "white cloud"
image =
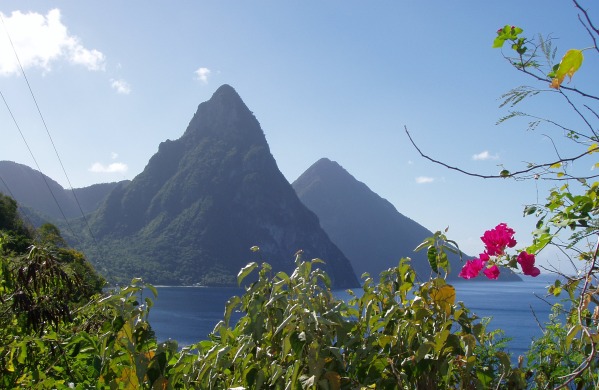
column 114, row 155
column 424, row 179
column 485, row 155
column 121, row 86
column 202, row 74
column 115, row 167
column 41, row 40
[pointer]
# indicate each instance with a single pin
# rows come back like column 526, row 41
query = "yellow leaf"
column 594, row 148
column 556, row 165
column 569, row 64
column 444, row 296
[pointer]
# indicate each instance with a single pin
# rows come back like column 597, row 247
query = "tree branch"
column 589, row 21
column 515, row 175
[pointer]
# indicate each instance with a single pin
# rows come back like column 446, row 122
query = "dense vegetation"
column 293, row 332
column 58, row 332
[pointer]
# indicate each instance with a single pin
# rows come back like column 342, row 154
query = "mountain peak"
column 325, row 171
column 366, row 227
column 225, row 90
column 225, row 114
column 204, row 199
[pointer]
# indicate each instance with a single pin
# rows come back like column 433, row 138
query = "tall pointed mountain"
column 203, row 200
column 367, row 228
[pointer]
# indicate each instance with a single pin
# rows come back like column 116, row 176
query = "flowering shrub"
column 496, row 241
column 527, row 262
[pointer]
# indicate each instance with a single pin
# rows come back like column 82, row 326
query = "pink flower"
column 496, row 240
column 527, row 262
column 492, row 272
column 471, row 269
column 484, row 256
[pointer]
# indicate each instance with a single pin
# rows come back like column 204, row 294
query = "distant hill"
column 367, row 228
column 203, row 200
column 46, row 200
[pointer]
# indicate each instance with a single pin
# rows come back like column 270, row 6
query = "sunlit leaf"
column 570, row 63
column 245, row 271
column 508, row 32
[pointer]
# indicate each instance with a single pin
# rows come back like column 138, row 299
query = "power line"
column 37, row 165
column 53, row 146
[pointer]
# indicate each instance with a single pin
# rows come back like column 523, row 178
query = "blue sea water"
column 189, row 314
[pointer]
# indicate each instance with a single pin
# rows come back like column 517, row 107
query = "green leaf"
column 528, row 210
column 572, row 333
column 423, row 350
column 152, row 289
column 424, row 244
column 232, row 303
column 245, row 271
column 508, row 32
column 432, row 258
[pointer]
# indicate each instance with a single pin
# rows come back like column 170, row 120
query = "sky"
column 335, row 79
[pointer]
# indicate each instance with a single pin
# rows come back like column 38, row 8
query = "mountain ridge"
column 35, row 191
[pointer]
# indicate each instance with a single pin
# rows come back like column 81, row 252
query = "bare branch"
column 590, row 23
column 578, row 112
column 518, row 174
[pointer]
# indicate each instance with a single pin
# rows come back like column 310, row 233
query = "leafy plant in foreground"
column 395, row 334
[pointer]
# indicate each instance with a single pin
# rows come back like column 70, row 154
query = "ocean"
column 189, row 314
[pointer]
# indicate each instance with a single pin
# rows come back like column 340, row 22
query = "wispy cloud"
column 424, row 179
column 202, row 74
column 115, row 167
column 485, row 155
column 41, row 40
column 121, row 86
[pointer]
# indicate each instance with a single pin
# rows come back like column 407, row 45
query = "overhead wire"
column 95, row 241
column 37, row 165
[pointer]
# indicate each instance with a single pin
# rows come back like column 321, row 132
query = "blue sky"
column 336, row 79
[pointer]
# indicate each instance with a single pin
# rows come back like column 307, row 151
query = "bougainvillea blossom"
column 492, row 272
column 527, row 263
column 471, row 269
column 496, row 240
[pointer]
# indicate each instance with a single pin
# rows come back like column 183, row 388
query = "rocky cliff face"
column 367, row 228
column 203, row 200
